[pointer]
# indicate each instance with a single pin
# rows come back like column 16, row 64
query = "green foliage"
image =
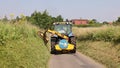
column 117, row 22
column 20, row 47
column 110, row 34
column 101, row 44
column 13, row 32
column 107, row 35
column 101, row 51
column 105, row 22
column 59, row 18
column 93, row 21
column 43, row 20
column 5, row 19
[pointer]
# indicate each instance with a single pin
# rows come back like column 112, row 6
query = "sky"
column 102, row 10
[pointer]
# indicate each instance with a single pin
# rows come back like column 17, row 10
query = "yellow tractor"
column 62, row 38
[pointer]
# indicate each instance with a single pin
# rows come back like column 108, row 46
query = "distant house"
column 110, row 23
column 79, row 21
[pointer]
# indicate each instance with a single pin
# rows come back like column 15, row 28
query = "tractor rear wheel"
column 73, row 41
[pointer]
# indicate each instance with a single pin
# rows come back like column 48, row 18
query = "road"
column 77, row 60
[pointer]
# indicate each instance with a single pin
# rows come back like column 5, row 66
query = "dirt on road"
column 76, row 60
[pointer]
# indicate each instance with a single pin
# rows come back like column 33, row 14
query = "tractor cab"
column 63, row 28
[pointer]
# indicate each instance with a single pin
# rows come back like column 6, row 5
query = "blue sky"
column 102, row 10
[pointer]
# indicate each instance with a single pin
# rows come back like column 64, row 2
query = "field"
column 100, row 43
column 20, row 47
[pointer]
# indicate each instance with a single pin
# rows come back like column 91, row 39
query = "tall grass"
column 16, row 32
column 101, row 51
column 20, row 47
column 104, row 33
column 100, row 43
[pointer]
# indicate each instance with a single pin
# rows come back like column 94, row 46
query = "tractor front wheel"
column 53, row 43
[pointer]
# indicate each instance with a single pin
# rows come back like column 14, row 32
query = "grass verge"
column 101, row 51
column 100, row 43
column 20, row 47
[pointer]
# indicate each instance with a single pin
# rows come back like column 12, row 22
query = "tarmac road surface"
column 76, row 60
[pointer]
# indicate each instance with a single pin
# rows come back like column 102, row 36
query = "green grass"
column 20, row 47
column 101, row 44
column 101, row 51
column 106, row 33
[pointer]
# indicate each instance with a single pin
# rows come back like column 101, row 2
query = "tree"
column 118, row 20
column 59, row 18
column 67, row 20
column 43, row 20
column 93, row 21
column 105, row 22
column 5, row 19
column 17, row 18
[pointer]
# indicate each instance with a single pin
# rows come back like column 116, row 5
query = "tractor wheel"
column 73, row 41
column 53, row 51
column 73, row 51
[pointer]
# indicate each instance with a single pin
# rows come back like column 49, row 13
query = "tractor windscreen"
column 63, row 28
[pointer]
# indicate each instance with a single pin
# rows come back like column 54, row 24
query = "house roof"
column 79, row 20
